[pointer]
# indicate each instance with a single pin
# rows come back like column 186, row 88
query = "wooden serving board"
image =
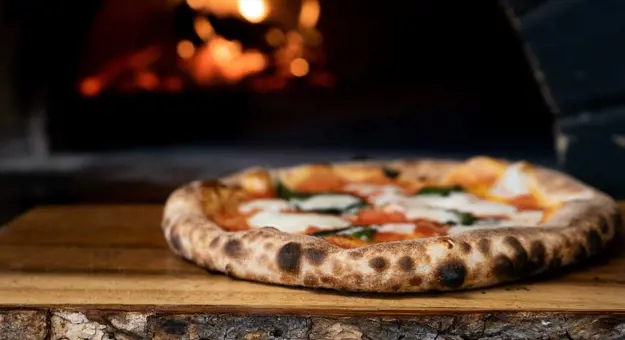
column 82, row 264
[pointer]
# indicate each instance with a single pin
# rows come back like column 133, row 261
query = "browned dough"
column 580, row 229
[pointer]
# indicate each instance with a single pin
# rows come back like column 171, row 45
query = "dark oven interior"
column 413, row 75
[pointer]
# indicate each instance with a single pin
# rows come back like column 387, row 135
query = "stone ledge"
column 106, row 325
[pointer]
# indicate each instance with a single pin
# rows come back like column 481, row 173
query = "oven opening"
column 300, row 73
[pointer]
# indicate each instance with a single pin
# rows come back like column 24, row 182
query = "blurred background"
column 121, row 101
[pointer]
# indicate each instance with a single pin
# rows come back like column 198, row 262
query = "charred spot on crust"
column 395, row 287
column 215, row 242
column 378, row 264
column 415, row 281
column 289, row 257
column 175, row 242
column 310, row 280
column 484, row 246
column 555, row 262
column 390, row 172
column 520, row 257
column 465, row 247
column 537, row 255
column 451, row 274
column 503, row 267
column 356, row 254
column 406, row 263
column 327, row 279
column 580, row 253
column 228, row 269
column 233, row 248
column 315, row 255
column 594, row 242
column 604, row 227
column 357, row 279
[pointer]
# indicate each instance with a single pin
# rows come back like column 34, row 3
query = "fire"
column 309, row 15
column 217, row 60
column 225, row 60
column 185, row 49
column 299, row 67
column 147, row 80
column 90, row 87
column 203, row 28
column 274, row 37
column 253, row 11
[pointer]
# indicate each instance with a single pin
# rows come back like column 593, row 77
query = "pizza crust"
column 582, row 227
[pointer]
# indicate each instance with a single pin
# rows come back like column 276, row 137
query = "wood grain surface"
column 115, row 257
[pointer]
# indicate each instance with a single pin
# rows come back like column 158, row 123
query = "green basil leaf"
column 325, row 233
column 466, row 218
column 285, row 193
column 364, row 233
column 441, row 191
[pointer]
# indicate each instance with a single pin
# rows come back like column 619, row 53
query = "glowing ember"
column 309, row 14
column 203, row 28
column 195, row 4
column 216, row 60
column 253, row 11
column 185, row 49
column 299, row 67
column 91, row 87
column 224, row 60
column 274, row 37
column 147, row 80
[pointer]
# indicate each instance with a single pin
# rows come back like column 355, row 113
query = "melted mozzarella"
column 429, row 213
column 295, row 223
column 264, row 204
column 520, row 219
column 320, row 202
column 377, row 194
column 397, row 228
column 514, row 182
column 461, row 202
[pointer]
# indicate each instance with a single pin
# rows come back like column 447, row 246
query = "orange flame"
column 309, row 15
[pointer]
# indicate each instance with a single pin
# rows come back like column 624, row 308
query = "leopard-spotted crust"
column 581, row 228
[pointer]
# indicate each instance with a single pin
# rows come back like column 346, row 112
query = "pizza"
column 394, row 226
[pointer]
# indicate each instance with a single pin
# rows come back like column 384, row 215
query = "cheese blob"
column 377, row 194
column 397, row 228
column 513, row 183
column 264, row 204
column 462, row 202
column 323, row 202
column 433, row 214
column 295, row 222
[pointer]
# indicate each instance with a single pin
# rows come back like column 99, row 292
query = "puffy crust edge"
column 480, row 258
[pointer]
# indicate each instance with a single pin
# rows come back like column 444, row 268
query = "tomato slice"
column 367, row 217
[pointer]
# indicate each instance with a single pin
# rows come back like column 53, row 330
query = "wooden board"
column 116, row 257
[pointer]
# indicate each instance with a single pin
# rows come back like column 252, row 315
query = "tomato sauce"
column 368, row 216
